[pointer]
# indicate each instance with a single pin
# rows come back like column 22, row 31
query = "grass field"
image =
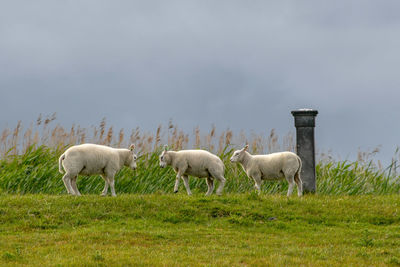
column 177, row 230
column 354, row 220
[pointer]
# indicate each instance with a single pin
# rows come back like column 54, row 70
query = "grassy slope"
column 169, row 230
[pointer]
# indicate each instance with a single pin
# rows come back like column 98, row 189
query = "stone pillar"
column 304, row 121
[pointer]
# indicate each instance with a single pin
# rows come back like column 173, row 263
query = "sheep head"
column 165, row 158
column 131, row 159
column 239, row 154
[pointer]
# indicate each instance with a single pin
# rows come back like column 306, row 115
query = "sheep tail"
column 60, row 167
column 297, row 174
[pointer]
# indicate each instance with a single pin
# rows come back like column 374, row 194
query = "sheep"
column 273, row 166
column 89, row 159
column 198, row 163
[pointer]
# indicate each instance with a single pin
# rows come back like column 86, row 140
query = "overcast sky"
column 237, row 64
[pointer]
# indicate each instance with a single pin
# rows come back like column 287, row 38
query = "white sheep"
column 89, row 159
column 198, row 163
column 273, row 166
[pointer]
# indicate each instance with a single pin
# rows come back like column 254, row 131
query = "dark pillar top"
column 304, row 121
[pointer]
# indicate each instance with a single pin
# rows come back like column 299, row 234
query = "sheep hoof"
column 176, row 191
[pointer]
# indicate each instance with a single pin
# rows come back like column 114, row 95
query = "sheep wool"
column 90, row 159
column 275, row 166
column 198, row 163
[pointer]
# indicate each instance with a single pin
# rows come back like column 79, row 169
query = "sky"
column 243, row 65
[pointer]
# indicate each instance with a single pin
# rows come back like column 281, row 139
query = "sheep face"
column 239, row 154
column 165, row 159
column 131, row 160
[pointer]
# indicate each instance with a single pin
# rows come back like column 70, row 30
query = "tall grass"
column 29, row 161
column 17, row 141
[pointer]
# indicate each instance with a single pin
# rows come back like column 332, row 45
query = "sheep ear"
column 245, row 147
column 132, row 147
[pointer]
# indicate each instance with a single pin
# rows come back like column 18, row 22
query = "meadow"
column 178, row 230
column 353, row 220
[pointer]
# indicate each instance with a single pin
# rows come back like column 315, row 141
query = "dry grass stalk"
column 210, row 136
column 228, row 137
column 4, row 137
column 72, row 138
column 221, row 142
column 102, row 130
column 39, row 120
column 109, row 136
column 134, row 135
column 273, row 145
column 41, row 133
column 82, row 136
column 120, row 137
column 158, row 138
column 197, row 133
column 15, row 137
column 288, row 142
column 27, row 141
column 95, row 132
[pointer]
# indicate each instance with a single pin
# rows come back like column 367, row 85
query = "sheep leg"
column 112, row 188
column 67, row 182
column 210, row 184
column 299, row 183
column 110, row 179
column 176, row 187
column 111, row 183
column 222, row 181
column 179, row 174
column 73, row 184
column 105, row 190
column 257, row 182
column 218, row 174
column 186, row 183
column 291, row 185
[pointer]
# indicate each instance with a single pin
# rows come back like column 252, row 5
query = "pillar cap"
column 305, row 112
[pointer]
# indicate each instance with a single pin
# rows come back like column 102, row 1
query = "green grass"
column 354, row 219
column 178, row 230
column 36, row 171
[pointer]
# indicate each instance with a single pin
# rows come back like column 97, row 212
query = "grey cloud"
column 238, row 64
